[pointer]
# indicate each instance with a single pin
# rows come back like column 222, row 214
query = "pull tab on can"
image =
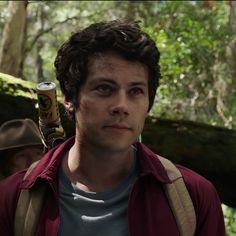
column 48, row 106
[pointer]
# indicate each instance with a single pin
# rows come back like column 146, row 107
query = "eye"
column 104, row 89
column 136, row 91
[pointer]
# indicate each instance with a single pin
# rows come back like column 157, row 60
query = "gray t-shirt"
column 94, row 214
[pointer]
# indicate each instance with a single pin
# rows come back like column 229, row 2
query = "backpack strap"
column 28, row 208
column 179, row 199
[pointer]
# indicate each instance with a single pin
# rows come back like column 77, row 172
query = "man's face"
column 113, row 103
column 21, row 158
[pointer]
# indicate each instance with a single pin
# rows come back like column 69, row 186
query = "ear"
column 68, row 105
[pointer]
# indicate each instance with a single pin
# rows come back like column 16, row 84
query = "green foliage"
column 230, row 220
column 198, row 76
column 196, row 82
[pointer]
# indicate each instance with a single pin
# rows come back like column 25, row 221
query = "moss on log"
column 18, row 99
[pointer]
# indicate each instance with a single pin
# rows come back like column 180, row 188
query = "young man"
column 102, row 182
column 20, row 145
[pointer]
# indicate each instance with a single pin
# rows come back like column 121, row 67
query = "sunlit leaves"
column 193, row 41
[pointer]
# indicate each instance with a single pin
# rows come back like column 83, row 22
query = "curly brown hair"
column 123, row 37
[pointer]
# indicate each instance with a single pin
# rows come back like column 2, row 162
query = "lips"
column 118, row 127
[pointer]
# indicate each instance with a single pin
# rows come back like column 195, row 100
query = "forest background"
column 197, row 41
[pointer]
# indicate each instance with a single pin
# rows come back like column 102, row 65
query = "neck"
column 95, row 169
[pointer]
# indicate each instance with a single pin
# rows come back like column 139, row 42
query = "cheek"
column 142, row 112
column 86, row 114
column 91, row 108
column 141, row 119
column 19, row 162
column 85, row 106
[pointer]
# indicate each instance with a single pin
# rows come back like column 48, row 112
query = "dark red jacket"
column 149, row 213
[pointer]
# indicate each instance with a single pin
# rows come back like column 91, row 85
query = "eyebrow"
column 111, row 81
column 138, row 84
column 101, row 80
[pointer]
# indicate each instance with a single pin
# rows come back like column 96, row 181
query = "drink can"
column 48, row 106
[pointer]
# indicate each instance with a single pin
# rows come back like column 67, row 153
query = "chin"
column 116, row 147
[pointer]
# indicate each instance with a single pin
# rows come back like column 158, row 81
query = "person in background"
column 102, row 181
column 20, row 145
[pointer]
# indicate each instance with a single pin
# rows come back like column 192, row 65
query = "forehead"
column 113, row 66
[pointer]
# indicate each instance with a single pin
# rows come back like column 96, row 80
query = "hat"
column 19, row 133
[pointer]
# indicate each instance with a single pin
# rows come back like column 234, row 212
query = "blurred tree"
column 13, row 38
column 231, row 49
column 3, row 15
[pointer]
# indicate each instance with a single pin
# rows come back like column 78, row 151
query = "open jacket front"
column 149, row 213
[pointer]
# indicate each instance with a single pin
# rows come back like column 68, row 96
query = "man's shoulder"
column 206, row 203
column 193, row 180
column 10, row 191
column 203, row 193
column 11, row 184
column 199, row 187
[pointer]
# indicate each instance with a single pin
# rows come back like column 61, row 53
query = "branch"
column 42, row 32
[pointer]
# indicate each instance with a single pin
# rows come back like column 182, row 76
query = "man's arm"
column 9, row 194
column 209, row 215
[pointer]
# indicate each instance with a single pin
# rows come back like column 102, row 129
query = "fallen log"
column 209, row 150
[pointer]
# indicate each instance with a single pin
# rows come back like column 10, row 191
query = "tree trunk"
column 232, row 16
column 39, row 63
column 231, row 49
column 39, row 46
column 12, row 44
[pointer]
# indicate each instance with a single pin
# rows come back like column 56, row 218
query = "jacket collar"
column 150, row 164
column 47, row 168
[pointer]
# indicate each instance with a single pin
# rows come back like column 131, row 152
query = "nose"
column 120, row 105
